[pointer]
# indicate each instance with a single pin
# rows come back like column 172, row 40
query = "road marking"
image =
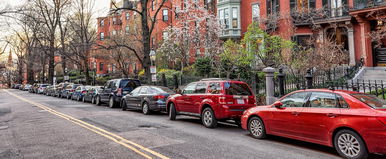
column 109, row 135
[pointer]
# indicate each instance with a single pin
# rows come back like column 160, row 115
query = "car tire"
column 350, row 145
column 93, row 100
column 111, row 102
column 145, row 108
column 98, row 100
column 208, row 118
column 256, row 128
column 68, row 97
column 83, row 100
column 123, row 105
column 172, row 112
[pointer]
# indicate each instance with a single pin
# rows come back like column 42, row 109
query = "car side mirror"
column 179, row 91
column 278, row 104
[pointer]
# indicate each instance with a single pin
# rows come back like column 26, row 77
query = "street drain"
column 147, row 127
column 3, row 127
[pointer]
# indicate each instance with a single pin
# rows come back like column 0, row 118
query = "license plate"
column 240, row 101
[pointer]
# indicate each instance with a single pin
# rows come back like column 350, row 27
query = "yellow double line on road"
column 116, row 138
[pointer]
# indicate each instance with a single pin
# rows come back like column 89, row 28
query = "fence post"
column 309, row 79
column 257, row 83
column 164, row 83
column 269, row 74
column 281, row 77
column 175, row 81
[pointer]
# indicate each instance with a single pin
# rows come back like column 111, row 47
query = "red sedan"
column 354, row 123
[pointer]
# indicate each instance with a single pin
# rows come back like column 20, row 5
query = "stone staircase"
column 371, row 75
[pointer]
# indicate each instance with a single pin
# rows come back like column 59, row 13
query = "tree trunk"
column 51, row 62
column 146, row 41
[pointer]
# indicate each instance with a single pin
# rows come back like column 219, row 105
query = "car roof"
column 330, row 91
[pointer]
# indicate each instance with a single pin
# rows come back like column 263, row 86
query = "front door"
column 380, row 57
column 320, row 115
column 198, row 97
column 285, row 120
column 132, row 98
column 184, row 102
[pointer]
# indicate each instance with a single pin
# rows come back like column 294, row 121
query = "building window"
column 255, row 12
column 165, row 16
column 165, row 35
column 101, row 65
column 302, row 40
column 198, row 52
column 127, row 16
column 235, row 15
column 152, row 5
column 273, row 7
column 102, row 36
column 102, row 23
column 153, row 42
column 127, row 29
column 114, row 32
column 302, row 5
column 224, row 17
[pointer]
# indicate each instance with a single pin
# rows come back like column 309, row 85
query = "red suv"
column 212, row 100
column 354, row 123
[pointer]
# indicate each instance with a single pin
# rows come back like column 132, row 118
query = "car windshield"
column 232, row 88
column 162, row 90
column 371, row 100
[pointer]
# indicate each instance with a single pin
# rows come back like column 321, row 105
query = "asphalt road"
column 37, row 126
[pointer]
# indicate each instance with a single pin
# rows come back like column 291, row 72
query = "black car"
column 79, row 92
column 69, row 90
column 90, row 94
column 113, row 91
column 147, row 99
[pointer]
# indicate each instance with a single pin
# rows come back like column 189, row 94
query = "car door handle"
column 202, row 97
column 295, row 113
column 331, row 115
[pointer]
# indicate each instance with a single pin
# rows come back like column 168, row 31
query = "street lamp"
column 153, row 69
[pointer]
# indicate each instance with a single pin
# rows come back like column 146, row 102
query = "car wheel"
column 78, row 98
column 98, row 100
column 123, row 105
column 68, row 97
column 172, row 112
column 145, row 108
column 92, row 100
column 208, row 118
column 350, row 145
column 256, row 128
column 111, row 102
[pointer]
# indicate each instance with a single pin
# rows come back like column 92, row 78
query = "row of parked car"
column 353, row 123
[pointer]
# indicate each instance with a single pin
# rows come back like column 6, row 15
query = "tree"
column 232, row 58
column 197, row 30
column 148, row 21
column 203, row 66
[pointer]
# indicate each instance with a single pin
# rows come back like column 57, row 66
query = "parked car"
column 79, row 92
column 354, row 123
column 21, row 87
column 113, row 91
column 59, row 89
column 27, row 87
column 212, row 100
column 41, row 88
column 17, row 86
column 147, row 99
column 49, row 91
column 32, row 88
column 91, row 94
column 69, row 90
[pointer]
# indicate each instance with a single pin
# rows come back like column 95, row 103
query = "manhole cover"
column 3, row 127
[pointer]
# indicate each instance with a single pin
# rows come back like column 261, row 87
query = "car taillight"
column 119, row 91
column 382, row 120
column 71, row 90
column 225, row 100
column 83, row 91
column 157, row 97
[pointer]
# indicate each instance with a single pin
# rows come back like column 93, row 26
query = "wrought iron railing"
column 316, row 15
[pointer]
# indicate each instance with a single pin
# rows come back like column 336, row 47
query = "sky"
column 101, row 8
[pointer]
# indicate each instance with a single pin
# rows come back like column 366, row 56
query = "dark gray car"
column 147, row 99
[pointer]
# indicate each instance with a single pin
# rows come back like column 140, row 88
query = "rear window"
column 371, row 100
column 129, row 84
column 45, row 85
column 76, row 85
column 232, row 88
column 162, row 90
